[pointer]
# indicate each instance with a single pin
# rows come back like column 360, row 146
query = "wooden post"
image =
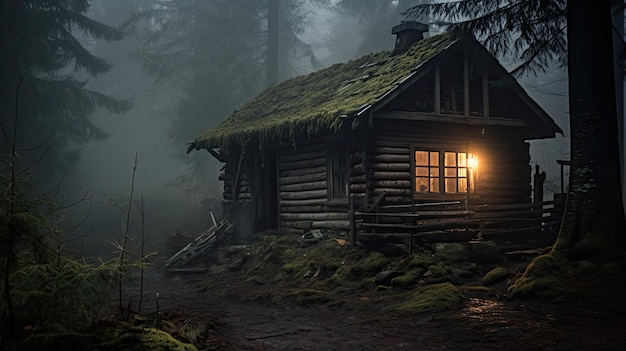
column 236, row 180
column 437, row 91
column 466, row 98
column 352, row 222
column 486, row 96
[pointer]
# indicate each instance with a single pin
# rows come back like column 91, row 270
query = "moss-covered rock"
column 453, row 252
column 495, row 276
column 436, row 297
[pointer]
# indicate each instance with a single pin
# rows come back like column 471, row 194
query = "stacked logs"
column 243, row 190
column 303, row 181
column 389, row 171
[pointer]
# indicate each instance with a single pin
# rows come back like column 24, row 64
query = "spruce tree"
column 47, row 42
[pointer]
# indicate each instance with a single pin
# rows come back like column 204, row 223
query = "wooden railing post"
column 352, row 221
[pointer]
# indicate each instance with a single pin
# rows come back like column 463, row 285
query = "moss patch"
column 436, row 297
column 495, row 276
column 556, row 279
column 125, row 337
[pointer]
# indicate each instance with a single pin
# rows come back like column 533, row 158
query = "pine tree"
column 46, row 41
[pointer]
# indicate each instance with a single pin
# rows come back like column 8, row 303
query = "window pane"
column 462, row 159
column 451, row 172
column 434, row 172
column 421, row 158
column 450, row 159
column 434, row 158
column 462, row 172
column 434, row 185
column 421, row 185
column 451, row 185
column 463, row 185
column 421, row 171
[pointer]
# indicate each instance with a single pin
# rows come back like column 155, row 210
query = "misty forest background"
column 177, row 68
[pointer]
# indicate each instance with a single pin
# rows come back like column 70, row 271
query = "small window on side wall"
column 338, row 171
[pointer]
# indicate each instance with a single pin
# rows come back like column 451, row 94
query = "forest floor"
column 232, row 307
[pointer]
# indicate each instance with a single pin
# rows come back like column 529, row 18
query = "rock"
column 453, row 252
column 385, row 277
column 495, row 276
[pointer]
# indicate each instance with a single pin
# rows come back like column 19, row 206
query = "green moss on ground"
column 124, row 337
column 436, row 297
column 556, row 279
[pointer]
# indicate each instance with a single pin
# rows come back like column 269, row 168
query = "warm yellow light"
column 472, row 161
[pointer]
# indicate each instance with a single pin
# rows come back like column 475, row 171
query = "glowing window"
column 442, row 171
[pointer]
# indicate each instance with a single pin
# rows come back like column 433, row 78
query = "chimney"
column 407, row 33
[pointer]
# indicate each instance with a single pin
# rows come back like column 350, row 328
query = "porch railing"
column 454, row 221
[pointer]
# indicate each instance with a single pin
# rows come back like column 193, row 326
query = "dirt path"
column 483, row 324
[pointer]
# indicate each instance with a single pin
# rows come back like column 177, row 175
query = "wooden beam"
column 437, row 91
column 486, row 96
column 471, row 121
column 219, row 156
column 466, row 92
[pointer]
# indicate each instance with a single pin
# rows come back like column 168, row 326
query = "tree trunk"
column 593, row 222
column 272, row 41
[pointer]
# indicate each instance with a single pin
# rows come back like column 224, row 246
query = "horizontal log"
column 310, row 209
column 335, row 225
column 303, row 148
column 286, row 166
column 308, row 202
column 419, row 214
column 392, row 150
column 301, row 172
column 424, row 226
column 305, row 186
column 325, row 216
column 380, row 175
column 377, row 166
column 398, row 200
column 391, row 191
column 390, row 158
column 294, row 157
column 302, row 195
column 358, row 188
column 391, row 143
column 403, row 184
column 358, row 179
column 303, row 178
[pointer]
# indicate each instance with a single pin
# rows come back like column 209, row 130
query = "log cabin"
column 429, row 138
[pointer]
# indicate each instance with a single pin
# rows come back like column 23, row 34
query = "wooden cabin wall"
column 303, row 187
column 503, row 174
column 235, row 166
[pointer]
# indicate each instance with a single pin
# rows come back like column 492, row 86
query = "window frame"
column 338, row 167
column 438, row 182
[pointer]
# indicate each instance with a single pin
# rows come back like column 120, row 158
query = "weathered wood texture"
column 303, row 179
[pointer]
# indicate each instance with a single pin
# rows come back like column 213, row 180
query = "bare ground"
column 230, row 314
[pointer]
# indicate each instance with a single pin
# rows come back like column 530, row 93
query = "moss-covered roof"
column 315, row 102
